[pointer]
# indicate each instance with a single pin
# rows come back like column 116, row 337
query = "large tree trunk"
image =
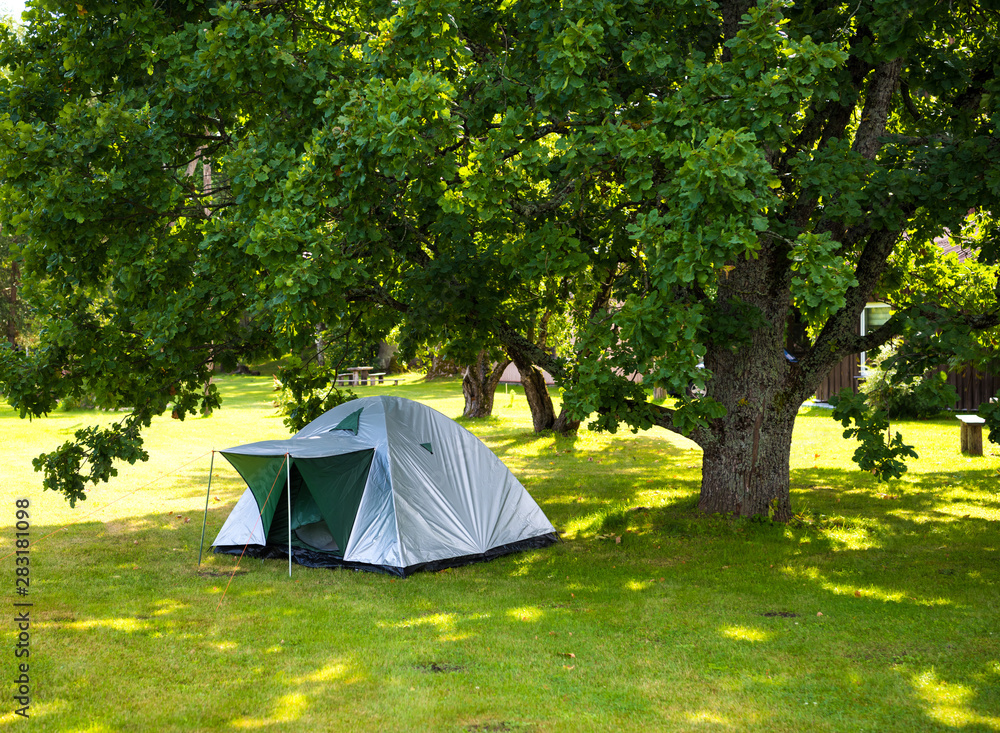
column 564, row 425
column 747, row 473
column 746, row 452
column 543, row 414
column 479, row 385
column 385, row 353
column 520, row 350
column 745, row 467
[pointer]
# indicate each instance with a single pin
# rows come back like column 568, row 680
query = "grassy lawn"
column 878, row 609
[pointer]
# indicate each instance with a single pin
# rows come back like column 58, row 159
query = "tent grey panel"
column 450, row 503
column 371, row 426
column 514, row 515
column 243, row 526
column 375, row 539
column 319, row 446
column 434, row 520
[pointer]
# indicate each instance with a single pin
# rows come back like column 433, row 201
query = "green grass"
column 648, row 616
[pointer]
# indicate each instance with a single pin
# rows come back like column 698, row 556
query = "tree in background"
column 680, row 181
column 479, row 383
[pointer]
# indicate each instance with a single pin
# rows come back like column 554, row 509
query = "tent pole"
column 204, row 521
column 288, row 470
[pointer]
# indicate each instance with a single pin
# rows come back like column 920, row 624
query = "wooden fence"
column 973, row 387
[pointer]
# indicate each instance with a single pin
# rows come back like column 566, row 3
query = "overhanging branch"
column 375, row 295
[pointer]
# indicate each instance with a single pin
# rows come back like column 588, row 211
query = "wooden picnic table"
column 360, row 374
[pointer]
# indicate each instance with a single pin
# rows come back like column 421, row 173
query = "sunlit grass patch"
column 744, row 633
column 951, row 704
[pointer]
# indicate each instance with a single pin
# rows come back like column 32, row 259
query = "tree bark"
column 878, row 103
column 320, row 345
column 732, row 14
column 564, row 425
column 524, row 353
column 745, row 467
column 746, row 452
column 543, row 414
column 385, row 353
column 747, row 473
column 479, row 385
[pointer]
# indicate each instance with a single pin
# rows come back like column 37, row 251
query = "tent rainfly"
column 383, row 484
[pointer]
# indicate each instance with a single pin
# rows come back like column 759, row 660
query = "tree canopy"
column 683, row 183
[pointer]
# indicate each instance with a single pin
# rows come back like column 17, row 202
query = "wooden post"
column 972, row 434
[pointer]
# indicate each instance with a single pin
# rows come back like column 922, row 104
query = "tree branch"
column 375, row 295
column 904, row 89
column 837, row 339
column 878, row 104
column 532, row 210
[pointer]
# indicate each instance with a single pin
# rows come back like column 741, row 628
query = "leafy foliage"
column 306, row 392
column 939, row 294
column 93, row 447
column 879, row 453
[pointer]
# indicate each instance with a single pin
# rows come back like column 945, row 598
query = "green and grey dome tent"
column 380, row 483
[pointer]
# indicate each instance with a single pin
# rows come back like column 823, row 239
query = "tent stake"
column 288, row 465
column 204, row 521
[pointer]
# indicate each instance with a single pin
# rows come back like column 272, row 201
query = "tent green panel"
column 266, row 477
column 304, row 507
column 278, row 532
column 337, row 484
column 308, row 523
column 352, row 422
column 429, row 448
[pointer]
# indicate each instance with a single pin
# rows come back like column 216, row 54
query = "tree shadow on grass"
column 910, row 627
column 938, row 498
